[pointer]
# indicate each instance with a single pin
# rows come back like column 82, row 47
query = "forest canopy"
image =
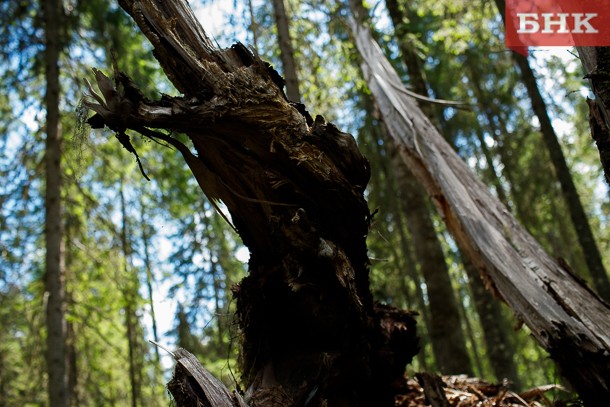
column 107, row 241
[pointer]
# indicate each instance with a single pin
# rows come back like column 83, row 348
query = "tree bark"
column 446, row 333
column 596, row 63
column 54, row 260
column 294, row 188
column 565, row 316
column 286, row 51
column 129, row 296
column 149, row 288
column 491, row 323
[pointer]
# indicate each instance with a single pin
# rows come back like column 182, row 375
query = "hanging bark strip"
column 565, row 316
column 294, row 188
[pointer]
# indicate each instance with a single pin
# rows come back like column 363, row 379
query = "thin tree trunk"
column 71, row 351
column 493, row 173
column 579, row 218
column 469, row 331
column 129, row 298
column 54, row 272
column 286, row 51
column 72, row 365
column 149, row 286
column 410, row 58
column 217, row 309
column 253, row 26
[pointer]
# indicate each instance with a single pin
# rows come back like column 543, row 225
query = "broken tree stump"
column 312, row 334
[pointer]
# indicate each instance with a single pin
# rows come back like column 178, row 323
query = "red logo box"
column 532, row 23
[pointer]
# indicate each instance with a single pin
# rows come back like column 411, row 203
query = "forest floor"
column 462, row 391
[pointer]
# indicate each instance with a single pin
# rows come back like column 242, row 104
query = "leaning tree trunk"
column 294, row 188
column 446, row 333
column 568, row 319
column 493, row 323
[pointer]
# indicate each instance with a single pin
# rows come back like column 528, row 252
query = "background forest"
column 139, row 260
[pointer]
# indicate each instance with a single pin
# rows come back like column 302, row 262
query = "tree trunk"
column 491, row 323
column 286, row 52
column 129, row 295
column 253, row 26
column 401, row 20
column 446, row 333
column 54, row 278
column 596, row 63
column 578, row 216
column 294, row 187
column 149, row 288
column 566, row 317
column 498, row 339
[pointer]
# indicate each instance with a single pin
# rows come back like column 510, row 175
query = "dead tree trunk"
column 294, row 188
column 568, row 319
column 596, row 63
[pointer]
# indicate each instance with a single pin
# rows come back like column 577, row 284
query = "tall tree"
column 578, row 216
column 145, row 235
column 498, row 338
column 54, row 273
column 286, row 51
column 130, row 293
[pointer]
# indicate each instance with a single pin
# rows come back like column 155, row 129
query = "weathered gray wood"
column 192, row 384
column 434, row 389
column 565, row 316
